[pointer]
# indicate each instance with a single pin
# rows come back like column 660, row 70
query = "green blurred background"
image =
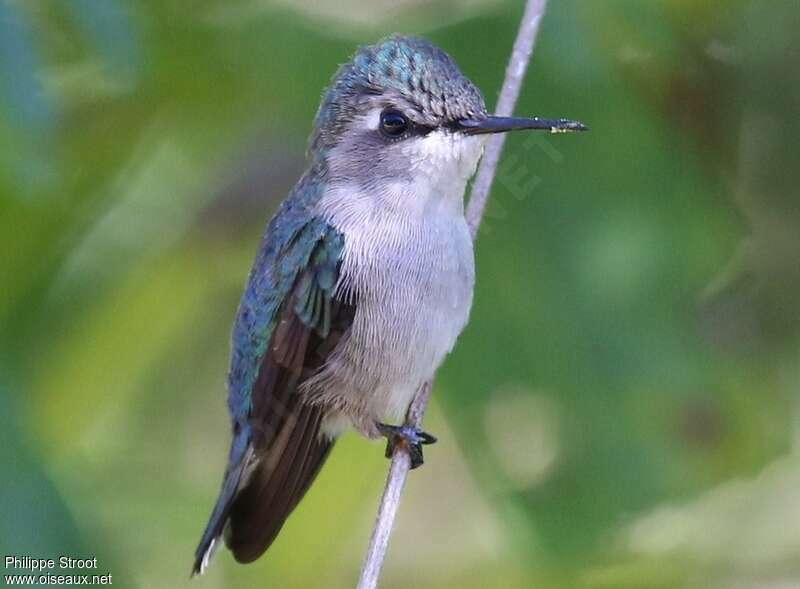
column 622, row 410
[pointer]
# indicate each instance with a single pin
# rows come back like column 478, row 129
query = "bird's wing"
column 287, row 324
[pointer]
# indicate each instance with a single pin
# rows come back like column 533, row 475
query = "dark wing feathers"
column 284, row 449
column 260, row 510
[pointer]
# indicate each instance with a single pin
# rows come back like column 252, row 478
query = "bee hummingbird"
column 362, row 283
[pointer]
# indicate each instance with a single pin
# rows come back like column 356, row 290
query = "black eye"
column 393, row 123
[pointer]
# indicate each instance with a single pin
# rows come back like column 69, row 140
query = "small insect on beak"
column 492, row 124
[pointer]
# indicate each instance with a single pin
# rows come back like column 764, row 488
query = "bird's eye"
column 393, row 123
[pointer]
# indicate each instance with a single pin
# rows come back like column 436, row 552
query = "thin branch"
column 401, row 461
column 515, row 73
column 398, row 472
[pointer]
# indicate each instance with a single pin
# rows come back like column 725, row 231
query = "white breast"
column 412, row 278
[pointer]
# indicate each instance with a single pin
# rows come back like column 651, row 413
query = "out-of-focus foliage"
column 622, row 410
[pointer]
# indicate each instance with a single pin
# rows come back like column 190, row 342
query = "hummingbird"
column 361, row 285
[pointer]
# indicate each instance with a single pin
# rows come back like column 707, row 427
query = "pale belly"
column 412, row 284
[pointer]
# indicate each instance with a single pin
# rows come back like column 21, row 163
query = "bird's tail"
column 262, row 486
column 241, row 454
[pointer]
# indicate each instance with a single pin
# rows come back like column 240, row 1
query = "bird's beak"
column 492, row 124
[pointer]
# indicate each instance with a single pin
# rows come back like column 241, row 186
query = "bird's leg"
column 411, row 437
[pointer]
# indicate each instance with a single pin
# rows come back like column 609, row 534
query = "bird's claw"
column 410, row 437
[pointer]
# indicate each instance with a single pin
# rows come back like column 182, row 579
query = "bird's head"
column 402, row 108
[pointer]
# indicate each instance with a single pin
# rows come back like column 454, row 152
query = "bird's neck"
column 427, row 187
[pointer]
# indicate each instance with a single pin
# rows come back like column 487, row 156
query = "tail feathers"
column 262, row 487
column 278, row 482
column 241, row 454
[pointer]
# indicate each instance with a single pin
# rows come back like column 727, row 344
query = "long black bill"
column 492, row 124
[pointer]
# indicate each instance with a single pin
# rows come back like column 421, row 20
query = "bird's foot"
column 405, row 435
